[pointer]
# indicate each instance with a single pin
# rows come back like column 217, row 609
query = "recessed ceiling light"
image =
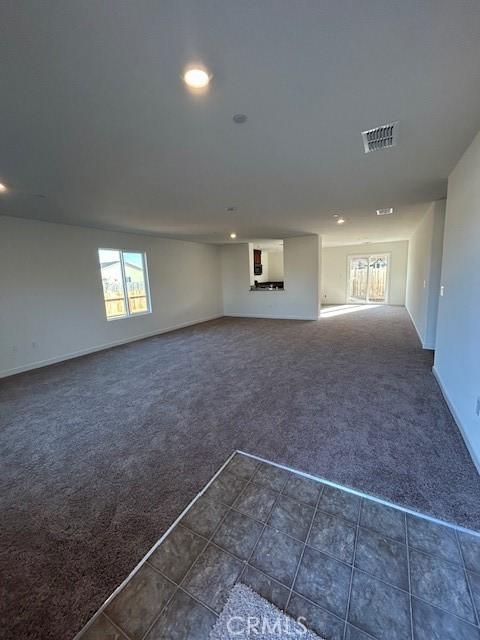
column 340, row 221
column 385, row 212
column 233, row 236
column 239, row 118
column 196, row 78
column 3, row 188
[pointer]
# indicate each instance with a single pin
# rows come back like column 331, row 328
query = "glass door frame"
column 368, row 256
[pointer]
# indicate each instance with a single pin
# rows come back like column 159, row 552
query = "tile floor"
column 354, row 568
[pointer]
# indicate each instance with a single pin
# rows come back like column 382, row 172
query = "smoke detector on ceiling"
column 382, row 137
column 239, row 118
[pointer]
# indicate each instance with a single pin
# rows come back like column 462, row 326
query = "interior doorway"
column 368, row 278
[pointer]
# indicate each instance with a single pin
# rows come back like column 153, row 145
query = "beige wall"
column 334, row 270
column 51, row 298
column 423, row 275
column 457, row 355
column 299, row 300
column 275, row 265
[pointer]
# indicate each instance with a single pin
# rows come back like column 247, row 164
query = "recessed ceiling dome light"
column 196, row 78
column 385, row 212
column 233, row 236
column 340, row 221
column 3, row 188
column 239, row 118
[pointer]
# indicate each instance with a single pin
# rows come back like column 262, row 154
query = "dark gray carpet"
column 100, row 454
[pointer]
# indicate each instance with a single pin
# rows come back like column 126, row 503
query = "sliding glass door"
column 358, row 281
column 368, row 279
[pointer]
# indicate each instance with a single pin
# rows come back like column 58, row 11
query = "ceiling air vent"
column 382, row 137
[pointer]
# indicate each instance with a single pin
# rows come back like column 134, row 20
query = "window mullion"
column 146, row 282
column 124, row 282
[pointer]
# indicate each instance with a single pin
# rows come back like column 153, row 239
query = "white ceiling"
column 94, row 115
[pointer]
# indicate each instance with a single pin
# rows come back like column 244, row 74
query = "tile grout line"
column 150, row 552
column 231, row 508
column 368, row 636
column 419, row 598
column 451, row 563
column 329, row 555
column 281, row 584
column 361, row 494
column 340, row 517
column 371, row 575
column 208, row 541
column 115, row 625
column 247, row 562
column 177, row 588
column 331, row 515
column 320, row 493
column 250, row 481
column 350, row 566
column 409, row 578
column 353, row 568
column 364, row 527
column 470, row 592
column 343, row 520
column 286, row 495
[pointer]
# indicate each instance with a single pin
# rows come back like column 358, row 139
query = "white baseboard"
column 454, row 412
column 266, row 317
column 425, row 345
column 329, row 303
column 101, row 347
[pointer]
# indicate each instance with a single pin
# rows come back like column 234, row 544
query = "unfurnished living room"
column 240, row 320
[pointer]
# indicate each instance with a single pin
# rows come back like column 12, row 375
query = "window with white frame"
column 125, row 283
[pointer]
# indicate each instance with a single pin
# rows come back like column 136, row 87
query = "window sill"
column 130, row 315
